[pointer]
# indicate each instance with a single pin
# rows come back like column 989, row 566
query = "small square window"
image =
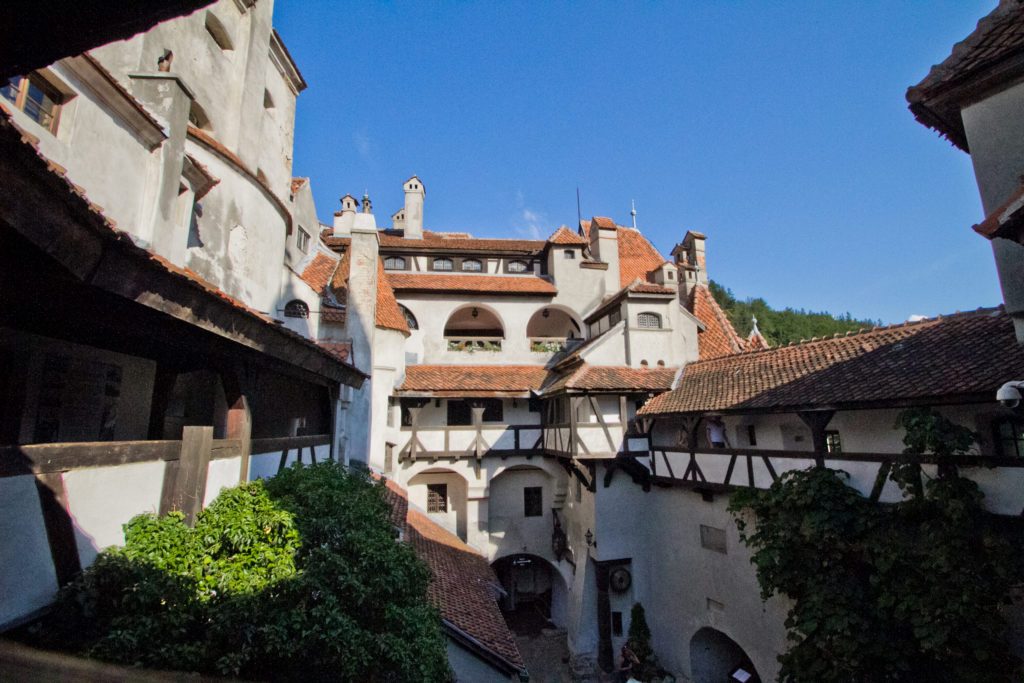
column 616, row 623
column 533, row 501
column 570, row 254
column 302, row 240
column 713, row 538
column 437, row 497
column 832, row 441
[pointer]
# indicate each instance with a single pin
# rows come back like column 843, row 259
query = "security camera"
column 1009, row 394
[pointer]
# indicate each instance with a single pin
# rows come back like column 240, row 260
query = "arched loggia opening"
column 472, row 328
column 535, row 593
column 551, row 329
column 716, row 657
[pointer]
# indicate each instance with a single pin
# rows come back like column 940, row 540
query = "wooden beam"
column 612, row 448
column 190, row 489
column 60, row 530
column 817, row 421
column 239, row 418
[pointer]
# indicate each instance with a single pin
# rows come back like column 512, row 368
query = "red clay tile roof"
column 392, row 240
column 635, row 287
column 602, row 222
column 389, row 315
column 566, row 236
column 473, row 284
column 966, row 356
column 756, row 342
column 613, row 378
column 297, row 183
column 719, row 338
column 472, row 380
column 340, row 350
column 1007, row 220
column 996, row 44
column 333, row 314
column 637, row 257
column 92, row 216
column 317, row 273
column 463, row 586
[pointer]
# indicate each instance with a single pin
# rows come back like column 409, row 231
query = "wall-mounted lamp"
column 589, row 536
column 475, row 313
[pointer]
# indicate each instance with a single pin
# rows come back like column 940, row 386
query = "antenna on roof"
column 632, row 212
column 579, row 213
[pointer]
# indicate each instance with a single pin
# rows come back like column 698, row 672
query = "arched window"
column 218, row 32
column 517, row 266
column 197, row 117
column 296, row 309
column 649, row 320
column 442, row 264
column 472, row 265
column 394, row 263
column 410, row 319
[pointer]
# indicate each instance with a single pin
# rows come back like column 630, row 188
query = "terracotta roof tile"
column 340, row 350
column 963, row 354
column 566, row 236
column 317, row 273
column 475, row 284
column 463, row 585
column 1007, row 220
column 637, row 257
column 719, row 338
column 603, row 222
column 297, row 184
column 997, row 40
column 613, row 378
column 389, row 315
column 472, row 379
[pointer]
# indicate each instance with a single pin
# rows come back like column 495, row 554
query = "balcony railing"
column 474, row 344
column 552, row 344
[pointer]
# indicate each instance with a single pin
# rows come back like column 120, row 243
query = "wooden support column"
column 60, row 530
column 190, row 488
column 239, row 419
column 817, row 421
column 163, row 388
column 574, row 437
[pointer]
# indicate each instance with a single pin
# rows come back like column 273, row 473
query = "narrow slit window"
column 533, row 501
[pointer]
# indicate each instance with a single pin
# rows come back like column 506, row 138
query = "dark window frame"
column 296, row 308
column 437, row 498
column 391, row 262
column 442, row 259
column 526, row 266
column 649, row 316
column 833, row 441
column 478, row 269
column 533, row 501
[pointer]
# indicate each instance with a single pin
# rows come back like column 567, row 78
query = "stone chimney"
column 412, row 214
column 604, row 246
column 364, row 252
column 344, row 219
column 689, row 256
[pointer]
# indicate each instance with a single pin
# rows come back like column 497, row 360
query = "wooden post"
column 163, row 387
column 574, row 448
column 239, row 419
column 190, row 488
column 414, row 418
column 817, row 421
column 60, row 530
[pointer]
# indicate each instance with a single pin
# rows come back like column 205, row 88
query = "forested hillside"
column 782, row 327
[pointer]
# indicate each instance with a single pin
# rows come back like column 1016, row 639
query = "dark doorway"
column 529, row 582
column 717, row 658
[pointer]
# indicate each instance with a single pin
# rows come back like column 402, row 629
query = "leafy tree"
column 296, row 577
column 905, row 592
column 640, row 634
column 785, row 326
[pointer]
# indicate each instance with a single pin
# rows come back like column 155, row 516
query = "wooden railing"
column 414, row 449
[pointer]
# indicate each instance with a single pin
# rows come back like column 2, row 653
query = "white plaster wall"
column 580, row 289
column 510, row 531
column 455, row 518
column 277, row 128
column 294, row 287
column 28, row 581
column 88, row 131
column 221, row 474
column 102, row 499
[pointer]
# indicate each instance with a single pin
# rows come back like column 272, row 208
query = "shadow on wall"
column 715, row 657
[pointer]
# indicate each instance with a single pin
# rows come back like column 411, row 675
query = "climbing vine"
column 912, row 591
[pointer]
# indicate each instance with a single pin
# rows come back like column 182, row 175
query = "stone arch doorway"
column 535, row 593
column 715, row 658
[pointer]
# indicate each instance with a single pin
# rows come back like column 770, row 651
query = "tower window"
column 650, row 321
column 437, row 497
column 296, row 309
column 35, row 96
column 533, row 501
column 569, row 254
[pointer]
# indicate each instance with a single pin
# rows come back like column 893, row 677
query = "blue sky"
column 779, row 129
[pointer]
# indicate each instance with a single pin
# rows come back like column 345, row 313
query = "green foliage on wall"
column 911, row 591
column 299, row 576
column 785, row 326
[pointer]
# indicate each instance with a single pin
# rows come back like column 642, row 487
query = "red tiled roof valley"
column 719, row 338
column 475, row 284
column 317, row 273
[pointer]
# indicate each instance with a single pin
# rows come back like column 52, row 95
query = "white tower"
column 414, row 194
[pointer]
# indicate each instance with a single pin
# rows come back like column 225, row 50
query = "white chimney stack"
column 413, row 212
column 344, row 219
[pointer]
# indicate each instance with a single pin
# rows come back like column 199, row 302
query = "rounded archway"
column 443, row 495
column 716, row 657
column 553, row 323
column 535, row 596
column 474, row 321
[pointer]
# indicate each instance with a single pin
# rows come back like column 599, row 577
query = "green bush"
column 299, row 576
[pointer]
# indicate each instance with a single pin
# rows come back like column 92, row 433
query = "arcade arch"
column 715, row 657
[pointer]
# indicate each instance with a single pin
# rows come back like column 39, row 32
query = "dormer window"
column 394, row 263
column 650, row 321
column 296, row 309
column 442, row 264
column 517, row 266
column 472, row 265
